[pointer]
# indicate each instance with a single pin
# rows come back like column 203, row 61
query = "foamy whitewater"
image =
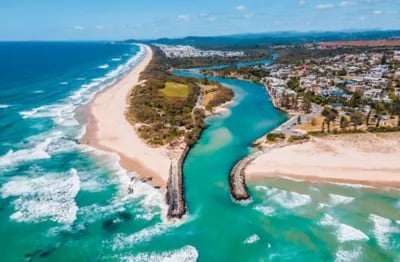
column 64, row 201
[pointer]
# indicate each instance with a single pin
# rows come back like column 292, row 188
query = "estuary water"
column 62, row 201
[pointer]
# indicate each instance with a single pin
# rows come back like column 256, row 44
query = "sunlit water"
column 62, row 201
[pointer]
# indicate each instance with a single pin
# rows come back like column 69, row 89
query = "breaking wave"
column 343, row 232
column 50, row 196
column 185, row 254
column 339, row 199
column 252, row 239
column 105, row 66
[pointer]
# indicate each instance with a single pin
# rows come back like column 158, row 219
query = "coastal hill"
column 245, row 41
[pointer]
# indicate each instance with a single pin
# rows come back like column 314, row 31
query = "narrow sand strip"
column 109, row 130
column 367, row 159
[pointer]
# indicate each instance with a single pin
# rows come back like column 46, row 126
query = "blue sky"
column 121, row 19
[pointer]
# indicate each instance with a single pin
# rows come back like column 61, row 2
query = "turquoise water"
column 61, row 201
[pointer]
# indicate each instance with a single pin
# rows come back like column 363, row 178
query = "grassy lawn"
column 175, row 90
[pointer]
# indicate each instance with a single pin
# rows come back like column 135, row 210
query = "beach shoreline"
column 109, row 130
column 364, row 159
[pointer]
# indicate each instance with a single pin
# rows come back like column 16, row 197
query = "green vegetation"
column 293, row 139
column 250, row 73
column 175, row 90
column 273, row 137
column 163, row 105
column 219, row 96
column 190, row 62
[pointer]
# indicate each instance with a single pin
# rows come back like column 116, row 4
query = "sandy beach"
column 109, row 130
column 368, row 159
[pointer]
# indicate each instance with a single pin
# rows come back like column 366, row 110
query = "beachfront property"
column 183, row 51
column 345, row 80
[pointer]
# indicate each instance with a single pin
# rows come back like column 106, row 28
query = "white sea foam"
column 383, row 229
column 339, row 199
column 344, row 232
column 251, row 239
column 343, row 255
column 322, row 205
column 38, row 91
column 348, row 233
column 26, row 155
column 268, row 211
column 105, row 66
column 63, row 83
column 185, row 254
column 116, row 59
column 63, row 113
column 291, row 199
column 49, row 196
column 151, row 200
column 4, row 106
column 150, row 197
column 122, row 241
column 328, row 220
column 284, row 198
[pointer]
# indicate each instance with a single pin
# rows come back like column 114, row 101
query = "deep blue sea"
column 63, row 201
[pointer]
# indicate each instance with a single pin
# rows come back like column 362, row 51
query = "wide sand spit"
column 109, row 130
column 367, row 159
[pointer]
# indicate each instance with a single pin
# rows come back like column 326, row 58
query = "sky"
column 144, row 19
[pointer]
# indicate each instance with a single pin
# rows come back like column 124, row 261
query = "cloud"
column 377, row 12
column 79, row 27
column 241, row 8
column 183, row 18
column 345, row 3
column 325, row 6
column 362, row 18
column 302, row 2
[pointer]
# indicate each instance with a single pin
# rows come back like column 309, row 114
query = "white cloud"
column 79, row 28
column 377, row 12
column 345, row 3
column 183, row 18
column 241, row 8
column 362, row 18
column 325, row 6
column 302, row 2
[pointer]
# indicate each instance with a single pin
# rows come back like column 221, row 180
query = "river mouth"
column 306, row 220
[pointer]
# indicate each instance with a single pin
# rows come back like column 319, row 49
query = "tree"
column 384, row 60
column 306, row 106
column 356, row 100
column 357, row 119
column 299, row 119
column 330, row 115
column 368, row 117
column 343, row 122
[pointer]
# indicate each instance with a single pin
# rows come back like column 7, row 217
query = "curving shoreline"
column 109, row 130
column 365, row 159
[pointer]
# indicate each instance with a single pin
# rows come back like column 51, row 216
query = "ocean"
column 63, row 201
